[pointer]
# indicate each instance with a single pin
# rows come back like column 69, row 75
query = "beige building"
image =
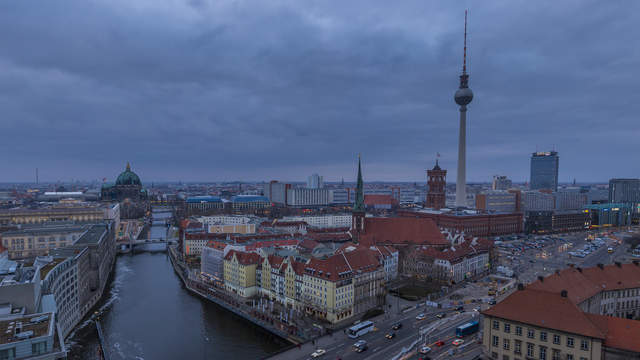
column 240, row 273
column 49, row 214
column 37, row 240
column 573, row 323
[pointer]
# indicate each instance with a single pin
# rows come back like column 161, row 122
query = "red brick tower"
column 437, row 180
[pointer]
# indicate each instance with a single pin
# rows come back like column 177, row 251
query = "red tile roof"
column 402, row 231
column 459, row 252
column 620, row 333
column 308, row 244
column 244, row 258
column 334, row 268
column 545, row 309
column 374, row 199
column 582, row 284
column 219, row 245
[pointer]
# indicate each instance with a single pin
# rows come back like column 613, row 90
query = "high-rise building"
column 276, row 192
column 544, row 170
column 436, row 197
column 463, row 97
column 500, row 182
column 315, row 181
column 625, row 191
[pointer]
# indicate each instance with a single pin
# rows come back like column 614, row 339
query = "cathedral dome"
column 128, row 177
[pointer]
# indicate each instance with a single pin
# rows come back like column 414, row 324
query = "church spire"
column 359, row 200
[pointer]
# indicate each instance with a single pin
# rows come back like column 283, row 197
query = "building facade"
column 496, row 201
column 501, row 182
column 625, row 191
column 298, row 197
column 315, row 181
column 37, row 239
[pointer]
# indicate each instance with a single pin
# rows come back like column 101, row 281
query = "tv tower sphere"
column 463, row 96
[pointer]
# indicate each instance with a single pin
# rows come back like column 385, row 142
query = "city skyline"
column 167, row 88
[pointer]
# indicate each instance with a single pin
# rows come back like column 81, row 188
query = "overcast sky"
column 260, row 90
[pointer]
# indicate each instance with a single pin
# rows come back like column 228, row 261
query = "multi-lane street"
column 340, row 346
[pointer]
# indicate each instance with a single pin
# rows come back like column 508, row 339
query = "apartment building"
column 240, row 273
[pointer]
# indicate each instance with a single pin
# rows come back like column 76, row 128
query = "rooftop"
column 203, row 199
column 40, row 324
column 402, row 230
column 545, row 309
column 249, row 198
column 93, row 236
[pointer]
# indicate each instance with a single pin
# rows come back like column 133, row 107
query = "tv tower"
column 463, row 97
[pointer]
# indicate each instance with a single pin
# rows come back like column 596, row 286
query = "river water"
column 147, row 314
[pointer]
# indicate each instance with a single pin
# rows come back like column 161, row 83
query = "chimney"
column 520, row 286
column 601, row 266
column 579, row 269
column 541, row 278
column 563, row 293
column 618, row 264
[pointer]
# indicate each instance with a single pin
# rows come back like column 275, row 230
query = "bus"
column 360, row 329
column 467, row 329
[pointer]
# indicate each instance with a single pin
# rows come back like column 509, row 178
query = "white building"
column 390, row 262
column 537, row 201
column 339, row 196
column 501, row 182
column 315, row 181
column 323, row 221
column 307, row 197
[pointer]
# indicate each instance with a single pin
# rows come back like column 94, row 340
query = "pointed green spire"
column 359, row 200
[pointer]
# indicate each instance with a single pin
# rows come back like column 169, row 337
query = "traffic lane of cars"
column 442, row 341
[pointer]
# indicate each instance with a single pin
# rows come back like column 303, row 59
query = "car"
column 441, row 315
column 390, row 335
column 476, row 309
column 460, row 308
column 362, row 348
column 318, row 353
column 457, row 342
column 492, row 302
column 396, row 326
column 424, row 350
column 421, row 316
column 439, row 343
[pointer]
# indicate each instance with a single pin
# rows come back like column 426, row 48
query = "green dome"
column 128, row 177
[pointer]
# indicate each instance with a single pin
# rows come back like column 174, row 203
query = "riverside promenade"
column 259, row 315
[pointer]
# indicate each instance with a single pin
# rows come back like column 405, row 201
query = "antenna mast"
column 464, row 61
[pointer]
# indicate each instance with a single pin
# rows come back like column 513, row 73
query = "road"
column 340, row 346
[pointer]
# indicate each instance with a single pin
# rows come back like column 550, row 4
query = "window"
column 496, row 341
column 517, row 346
column 507, row 328
column 529, row 349
column 8, row 354
column 555, row 355
column 496, row 325
column 543, row 353
column 519, row 330
column 556, row 339
column 39, row 348
column 543, row 336
column 584, row 345
column 570, row 342
column 531, row 333
column 505, row 357
column 569, row 357
column 505, row 344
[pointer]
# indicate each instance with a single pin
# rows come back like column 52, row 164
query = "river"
column 147, row 314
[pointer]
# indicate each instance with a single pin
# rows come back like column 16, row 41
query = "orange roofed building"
column 573, row 314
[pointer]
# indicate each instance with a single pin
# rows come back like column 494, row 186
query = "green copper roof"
column 359, row 200
column 128, row 177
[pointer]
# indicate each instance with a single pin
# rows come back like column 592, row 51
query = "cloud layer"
column 240, row 90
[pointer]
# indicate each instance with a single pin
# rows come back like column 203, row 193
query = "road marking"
column 376, row 349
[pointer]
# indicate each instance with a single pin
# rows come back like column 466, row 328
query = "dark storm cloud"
column 221, row 90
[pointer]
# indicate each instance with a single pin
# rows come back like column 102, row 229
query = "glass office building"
column 544, row 170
